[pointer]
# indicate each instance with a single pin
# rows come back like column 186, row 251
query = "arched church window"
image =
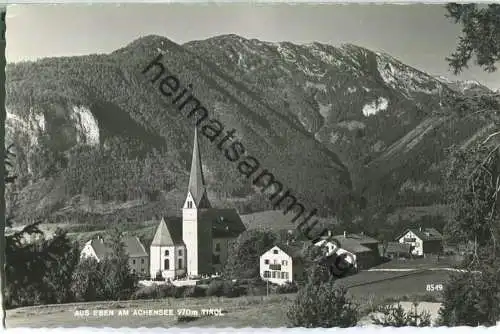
column 180, row 263
column 190, row 205
column 166, row 253
column 166, row 264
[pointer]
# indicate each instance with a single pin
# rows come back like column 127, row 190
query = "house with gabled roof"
column 422, row 240
column 200, row 244
column 138, row 257
column 282, row 263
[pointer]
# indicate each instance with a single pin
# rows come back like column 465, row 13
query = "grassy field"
column 367, row 288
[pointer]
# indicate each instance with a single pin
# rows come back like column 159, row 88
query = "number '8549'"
column 434, row 287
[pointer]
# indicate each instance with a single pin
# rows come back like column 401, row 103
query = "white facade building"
column 199, row 244
column 281, row 265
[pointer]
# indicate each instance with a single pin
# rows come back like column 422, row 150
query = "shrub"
column 146, row 292
column 215, row 288
column 471, row 299
column 195, row 291
column 155, row 291
column 230, row 289
column 166, row 290
column 322, row 305
column 396, row 316
column 289, row 287
column 178, row 291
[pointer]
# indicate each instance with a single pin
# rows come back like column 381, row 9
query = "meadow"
column 369, row 289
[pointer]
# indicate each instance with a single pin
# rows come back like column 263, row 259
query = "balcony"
column 275, row 266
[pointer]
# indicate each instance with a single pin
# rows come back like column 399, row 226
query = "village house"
column 138, row 257
column 395, row 249
column 422, row 241
column 199, row 244
column 282, row 264
column 364, row 248
column 331, row 248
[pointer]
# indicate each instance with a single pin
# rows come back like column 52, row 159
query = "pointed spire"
column 196, row 180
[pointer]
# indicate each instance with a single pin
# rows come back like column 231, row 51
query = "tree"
column 315, row 269
column 119, row 282
column 480, row 35
column 107, row 279
column 471, row 299
column 322, row 305
column 396, row 316
column 472, row 181
column 38, row 269
column 87, row 280
column 243, row 259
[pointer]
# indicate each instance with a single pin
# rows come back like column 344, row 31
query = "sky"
column 418, row 35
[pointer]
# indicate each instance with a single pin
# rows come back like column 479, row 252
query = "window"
column 217, row 247
column 133, row 261
column 133, row 271
column 179, row 263
column 266, row 261
column 286, row 275
column 284, row 262
column 267, row 274
column 275, row 267
column 180, row 252
column 142, row 261
column 274, row 274
column 282, row 275
column 409, row 239
column 142, row 270
column 275, row 251
column 190, row 205
column 166, row 253
column 166, row 264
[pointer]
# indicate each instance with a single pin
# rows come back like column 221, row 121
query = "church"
column 199, row 244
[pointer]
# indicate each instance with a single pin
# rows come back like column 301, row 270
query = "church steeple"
column 196, row 185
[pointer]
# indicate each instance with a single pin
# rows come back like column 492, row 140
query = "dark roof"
column 396, row 247
column 196, row 180
column 101, row 250
column 226, row 223
column 295, row 250
column 425, row 234
column 360, row 238
column 353, row 246
column 133, row 247
column 168, row 233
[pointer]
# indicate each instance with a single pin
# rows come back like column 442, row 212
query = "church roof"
column 196, row 180
column 226, row 223
column 168, row 234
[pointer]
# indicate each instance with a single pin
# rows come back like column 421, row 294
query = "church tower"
column 196, row 231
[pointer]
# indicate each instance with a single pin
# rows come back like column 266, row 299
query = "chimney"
column 345, row 234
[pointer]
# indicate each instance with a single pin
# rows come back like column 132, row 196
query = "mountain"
column 95, row 140
column 467, row 87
